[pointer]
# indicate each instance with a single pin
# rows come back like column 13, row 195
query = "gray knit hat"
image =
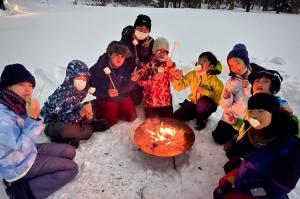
column 160, row 43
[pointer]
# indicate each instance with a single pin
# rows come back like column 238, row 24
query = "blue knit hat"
column 239, row 51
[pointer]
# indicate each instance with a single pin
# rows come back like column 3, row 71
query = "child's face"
column 261, row 85
column 237, row 66
column 161, row 55
column 205, row 64
column 117, row 60
column 142, row 29
column 24, row 90
column 263, row 116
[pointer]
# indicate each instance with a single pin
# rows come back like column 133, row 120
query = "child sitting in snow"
column 67, row 119
column 113, row 82
column 29, row 170
column 236, row 92
column 155, row 78
column 263, row 81
column 206, row 90
column 273, row 168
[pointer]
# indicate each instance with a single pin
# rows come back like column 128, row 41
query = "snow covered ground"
column 49, row 34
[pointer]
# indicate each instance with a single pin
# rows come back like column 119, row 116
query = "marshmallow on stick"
column 90, row 96
column 107, row 72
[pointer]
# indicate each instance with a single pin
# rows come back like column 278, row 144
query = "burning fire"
column 162, row 135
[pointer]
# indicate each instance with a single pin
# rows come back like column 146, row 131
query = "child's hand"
column 178, row 74
column 226, row 94
column 201, row 90
column 87, row 111
column 33, row 108
column 135, row 75
column 169, row 62
column 147, row 42
column 113, row 92
column 231, row 118
column 245, row 83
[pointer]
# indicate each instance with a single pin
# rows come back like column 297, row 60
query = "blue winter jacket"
column 65, row 103
column 269, row 172
column 17, row 143
column 120, row 76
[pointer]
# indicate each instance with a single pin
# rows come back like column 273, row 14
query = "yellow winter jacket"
column 211, row 83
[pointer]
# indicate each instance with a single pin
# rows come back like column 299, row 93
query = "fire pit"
column 164, row 137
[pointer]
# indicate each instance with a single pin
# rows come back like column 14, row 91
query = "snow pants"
column 136, row 95
column 204, row 107
column 223, row 132
column 113, row 111
column 165, row 111
column 53, row 168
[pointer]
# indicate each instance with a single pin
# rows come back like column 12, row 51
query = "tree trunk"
column 266, row 4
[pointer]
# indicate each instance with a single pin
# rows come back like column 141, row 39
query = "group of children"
column 258, row 129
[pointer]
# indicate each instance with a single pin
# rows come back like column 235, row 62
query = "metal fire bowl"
column 183, row 139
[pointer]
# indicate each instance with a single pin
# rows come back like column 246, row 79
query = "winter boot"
column 19, row 189
column 99, row 125
column 201, row 124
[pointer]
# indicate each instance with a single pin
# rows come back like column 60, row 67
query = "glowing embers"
column 164, row 137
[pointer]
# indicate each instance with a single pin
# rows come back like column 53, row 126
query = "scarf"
column 13, row 101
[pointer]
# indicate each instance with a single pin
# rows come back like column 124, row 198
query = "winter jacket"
column 65, row 103
column 210, row 82
column 237, row 103
column 271, row 171
column 120, row 76
column 17, row 143
column 139, row 51
column 157, row 92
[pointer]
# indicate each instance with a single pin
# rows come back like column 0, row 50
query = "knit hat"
column 160, row 43
column 14, row 74
column 143, row 20
column 239, row 51
column 273, row 75
column 264, row 101
column 118, row 47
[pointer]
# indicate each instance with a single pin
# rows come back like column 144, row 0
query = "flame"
column 163, row 134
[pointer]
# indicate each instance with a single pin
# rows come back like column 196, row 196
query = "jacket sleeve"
column 17, row 137
column 216, row 91
column 183, row 83
column 100, row 90
column 226, row 102
column 54, row 108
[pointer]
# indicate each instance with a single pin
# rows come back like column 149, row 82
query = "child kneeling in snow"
column 29, row 170
column 206, row 90
column 155, row 77
column 273, row 168
column 112, row 78
column 67, row 119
